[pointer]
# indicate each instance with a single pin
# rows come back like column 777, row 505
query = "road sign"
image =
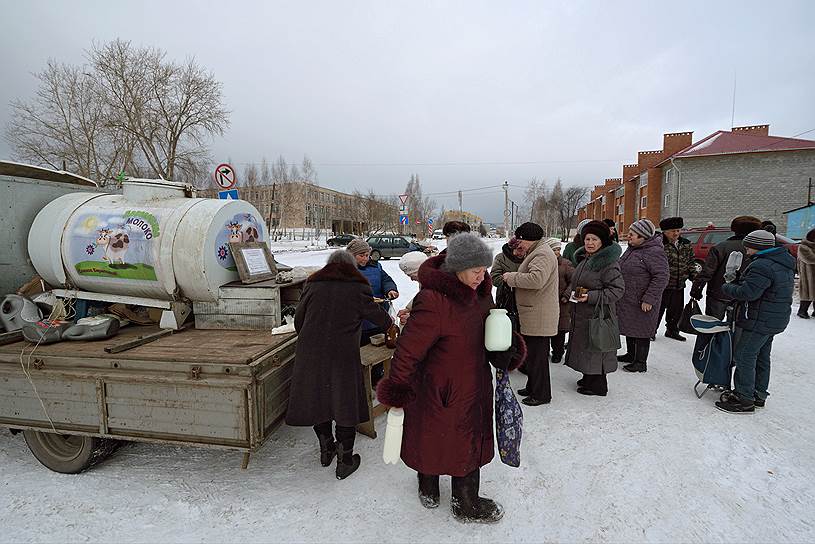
column 403, row 219
column 430, row 221
column 403, row 198
column 232, row 194
column 403, row 210
column 224, row 176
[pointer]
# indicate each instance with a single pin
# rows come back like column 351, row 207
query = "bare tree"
column 169, row 109
column 573, row 199
column 66, row 126
column 419, row 207
column 250, row 176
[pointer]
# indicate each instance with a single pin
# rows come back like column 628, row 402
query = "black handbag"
column 604, row 331
column 691, row 309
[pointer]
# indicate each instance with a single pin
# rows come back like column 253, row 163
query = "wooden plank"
column 140, row 341
column 373, row 355
column 10, row 337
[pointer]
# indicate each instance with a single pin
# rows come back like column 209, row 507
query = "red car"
column 702, row 239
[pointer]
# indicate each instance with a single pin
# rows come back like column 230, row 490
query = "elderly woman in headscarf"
column 440, row 375
column 409, row 264
column 510, row 258
column 327, row 385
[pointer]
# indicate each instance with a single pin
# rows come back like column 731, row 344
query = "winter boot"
column 759, row 403
column 636, row 367
column 627, row 358
column 524, row 392
column 347, row 461
column 732, row 403
column 675, row 336
column 328, row 448
column 467, row 506
column 428, row 490
column 803, row 310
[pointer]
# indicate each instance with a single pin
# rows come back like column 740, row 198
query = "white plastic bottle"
column 498, row 331
column 393, row 436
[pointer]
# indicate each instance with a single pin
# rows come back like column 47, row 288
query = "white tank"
column 151, row 241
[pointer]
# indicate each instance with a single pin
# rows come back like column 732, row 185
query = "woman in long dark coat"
column 645, row 270
column 327, row 384
column 599, row 273
column 441, row 377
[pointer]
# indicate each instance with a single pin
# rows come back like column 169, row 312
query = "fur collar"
column 806, row 252
column 507, row 251
column 338, row 272
column 431, row 276
column 606, row 256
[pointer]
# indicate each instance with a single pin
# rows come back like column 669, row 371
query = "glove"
column 696, row 292
column 503, row 359
column 730, row 277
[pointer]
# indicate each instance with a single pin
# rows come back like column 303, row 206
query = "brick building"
column 744, row 171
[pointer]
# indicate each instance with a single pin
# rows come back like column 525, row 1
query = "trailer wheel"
column 68, row 453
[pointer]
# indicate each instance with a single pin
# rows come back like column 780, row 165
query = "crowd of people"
column 595, row 292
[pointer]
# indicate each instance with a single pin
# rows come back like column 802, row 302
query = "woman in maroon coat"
column 440, row 375
column 645, row 270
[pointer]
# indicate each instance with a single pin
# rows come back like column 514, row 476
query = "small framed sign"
column 254, row 261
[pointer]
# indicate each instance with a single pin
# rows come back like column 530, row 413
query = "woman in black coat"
column 327, row 384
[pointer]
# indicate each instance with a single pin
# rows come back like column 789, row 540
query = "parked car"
column 387, row 246
column 341, row 240
column 703, row 239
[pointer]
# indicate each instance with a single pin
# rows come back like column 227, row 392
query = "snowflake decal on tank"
column 90, row 249
column 223, row 253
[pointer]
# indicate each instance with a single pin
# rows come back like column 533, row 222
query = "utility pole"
column 506, row 208
column 459, row 203
column 809, row 193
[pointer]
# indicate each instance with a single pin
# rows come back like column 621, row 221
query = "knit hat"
column 529, row 231
column 411, row 261
column 643, row 228
column 760, row 239
column 670, row 223
column 466, row 250
column 554, row 243
column 583, row 224
column 610, row 223
column 599, row 229
column 513, row 243
column 358, row 246
column 744, row 225
column 769, row 226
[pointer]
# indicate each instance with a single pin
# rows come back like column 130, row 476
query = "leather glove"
column 696, row 292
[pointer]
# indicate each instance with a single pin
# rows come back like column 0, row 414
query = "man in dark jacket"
column 713, row 270
column 764, row 297
column 681, row 268
column 382, row 284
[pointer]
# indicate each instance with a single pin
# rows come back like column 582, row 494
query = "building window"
column 667, row 201
column 669, row 175
column 620, row 209
column 643, row 182
column 620, row 192
column 644, row 202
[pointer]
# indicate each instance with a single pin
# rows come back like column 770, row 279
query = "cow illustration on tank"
column 115, row 243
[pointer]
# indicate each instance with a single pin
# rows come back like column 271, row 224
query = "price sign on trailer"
column 224, row 176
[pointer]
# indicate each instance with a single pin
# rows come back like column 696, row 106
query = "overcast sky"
column 465, row 94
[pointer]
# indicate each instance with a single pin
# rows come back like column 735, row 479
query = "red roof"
column 725, row 142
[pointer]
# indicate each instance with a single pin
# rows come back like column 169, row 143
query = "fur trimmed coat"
column 806, row 269
column 600, row 274
column 327, row 383
column 441, row 376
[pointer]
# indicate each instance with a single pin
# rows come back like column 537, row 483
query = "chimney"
column 676, row 141
column 647, row 159
column 754, row 130
column 629, row 171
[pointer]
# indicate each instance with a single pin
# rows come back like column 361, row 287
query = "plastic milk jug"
column 393, row 436
column 498, row 331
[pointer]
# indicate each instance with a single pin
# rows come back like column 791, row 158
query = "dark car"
column 390, row 245
column 703, row 239
column 341, row 240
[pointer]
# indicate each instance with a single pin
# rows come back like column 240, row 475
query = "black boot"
column 467, row 506
column 428, row 490
column 328, row 448
column 803, row 309
column 627, row 358
column 734, row 404
column 347, row 461
column 636, row 367
column 675, row 335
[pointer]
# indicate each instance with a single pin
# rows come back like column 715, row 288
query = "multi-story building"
column 744, row 171
column 466, row 217
column 299, row 205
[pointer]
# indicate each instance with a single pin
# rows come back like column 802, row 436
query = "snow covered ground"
column 648, row 463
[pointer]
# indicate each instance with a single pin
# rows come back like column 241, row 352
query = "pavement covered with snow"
column 648, row 463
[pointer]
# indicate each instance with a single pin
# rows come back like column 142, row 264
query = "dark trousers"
column 596, row 382
column 638, row 348
column 558, row 343
column 752, row 358
column 537, row 367
column 345, row 435
column 673, row 302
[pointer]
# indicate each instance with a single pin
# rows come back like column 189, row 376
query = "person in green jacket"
column 577, row 243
